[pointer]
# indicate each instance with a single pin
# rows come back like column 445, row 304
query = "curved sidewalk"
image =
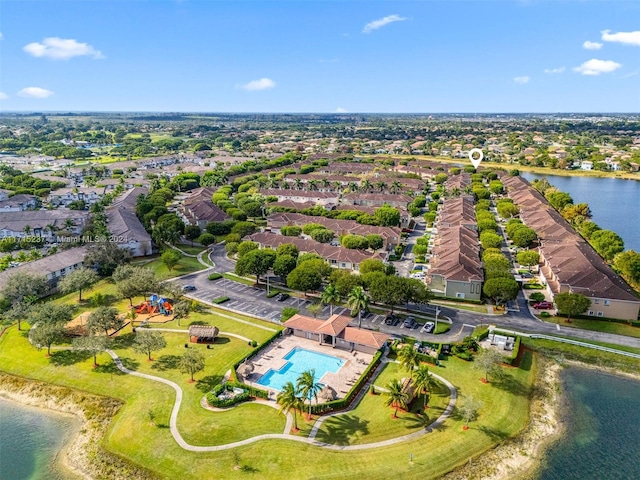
column 279, row 436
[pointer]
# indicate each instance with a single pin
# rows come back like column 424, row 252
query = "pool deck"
column 341, row 381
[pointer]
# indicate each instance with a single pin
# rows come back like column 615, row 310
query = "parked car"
column 364, row 313
column 418, row 275
column 526, row 275
column 391, row 319
column 409, row 322
column 429, row 326
column 543, row 305
column 281, row 297
column 188, row 288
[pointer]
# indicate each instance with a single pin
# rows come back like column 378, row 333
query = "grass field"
column 186, row 265
column 587, row 355
column 135, row 437
column 599, row 326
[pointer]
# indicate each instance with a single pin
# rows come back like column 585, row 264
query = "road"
column 252, row 300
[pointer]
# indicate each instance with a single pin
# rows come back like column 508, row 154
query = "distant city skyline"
column 320, row 56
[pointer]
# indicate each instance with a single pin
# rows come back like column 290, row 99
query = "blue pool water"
column 300, row 360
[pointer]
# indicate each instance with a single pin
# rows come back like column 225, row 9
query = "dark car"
column 390, row 319
column 281, row 297
column 409, row 322
column 188, row 288
column 543, row 305
column 364, row 313
column 526, row 275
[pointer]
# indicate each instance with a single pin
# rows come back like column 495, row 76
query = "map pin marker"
column 476, row 161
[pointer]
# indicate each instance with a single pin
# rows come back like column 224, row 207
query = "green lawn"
column 585, row 354
column 189, row 249
column 186, row 265
column 598, row 326
column 134, row 437
column 372, row 421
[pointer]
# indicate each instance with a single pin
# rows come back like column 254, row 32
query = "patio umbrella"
column 327, row 393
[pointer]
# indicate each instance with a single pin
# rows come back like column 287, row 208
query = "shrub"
column 536, row 296
column 220, row 300
column 287, row 313
column 545, row 314
column 214, row 276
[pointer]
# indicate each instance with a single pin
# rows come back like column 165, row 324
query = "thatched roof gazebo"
column 327, row 393
column 246, row 368
column 203, row 333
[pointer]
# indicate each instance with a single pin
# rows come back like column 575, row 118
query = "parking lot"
column 245, row 298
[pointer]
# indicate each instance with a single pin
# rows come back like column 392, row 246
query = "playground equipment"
column 155, row 305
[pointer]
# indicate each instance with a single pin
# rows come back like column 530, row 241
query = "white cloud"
column 381, row 22
column 341, row 110
column 596, row 67
column 592, row 45
column 255, row 85
column 35, row 92
column 626, row 38
column 554, row 70
column 521, row 80
column 1, row 36
column 61, row 49
column 3, row 96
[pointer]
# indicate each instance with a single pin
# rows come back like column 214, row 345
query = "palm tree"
column 396, row 187
column 337, row 186
column 381, row 186
column 298, row 183
column 288, row 400
column 325, row 182
column 408, row 357
column 359, row 300
column 330, row 296
column 285, row 185
column 312, row 185
column 423, row 382
column 308, row 387
column 353, row 186
column 365, row 185
column 396, row 397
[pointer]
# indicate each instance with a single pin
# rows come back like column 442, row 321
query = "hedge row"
column 220, row 300
column 343, row 403
column 514, row 355
column 214, row 276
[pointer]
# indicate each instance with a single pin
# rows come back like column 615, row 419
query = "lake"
column 30, row 442
column 601, row 439
column 614, row 202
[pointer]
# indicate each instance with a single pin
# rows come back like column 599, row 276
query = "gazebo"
column 202, row 333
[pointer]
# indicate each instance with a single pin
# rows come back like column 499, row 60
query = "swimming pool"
column 300, row 360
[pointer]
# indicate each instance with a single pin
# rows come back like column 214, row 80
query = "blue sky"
column 320, row 56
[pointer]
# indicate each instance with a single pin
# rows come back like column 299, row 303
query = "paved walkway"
column 198, row 256
column 278, row 436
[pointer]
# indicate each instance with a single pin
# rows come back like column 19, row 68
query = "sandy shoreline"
column 68, row 457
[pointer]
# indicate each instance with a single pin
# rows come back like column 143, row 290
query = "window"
column 607, row 303
column 459, row 295
column 343, row 265
column 600, row 314
column 591, row 313
column 596, row 301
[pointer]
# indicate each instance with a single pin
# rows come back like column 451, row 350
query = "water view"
column 601, row 440
column 613, row 202
column 30, row 442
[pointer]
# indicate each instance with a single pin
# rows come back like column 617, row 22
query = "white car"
column 418, row 275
